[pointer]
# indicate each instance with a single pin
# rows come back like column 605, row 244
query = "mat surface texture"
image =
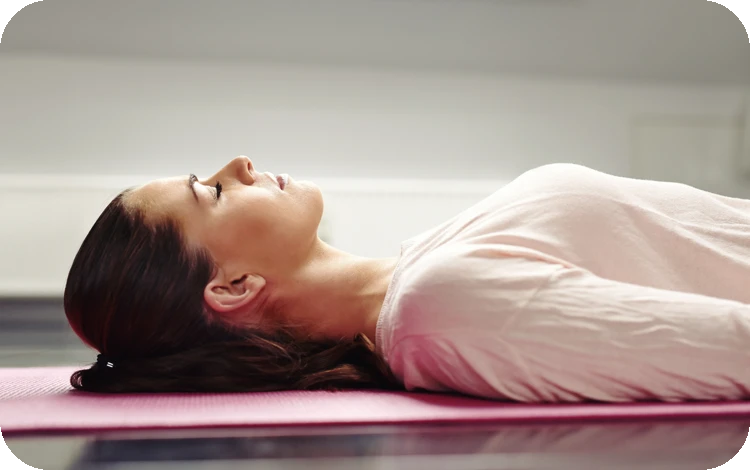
column 41, row 400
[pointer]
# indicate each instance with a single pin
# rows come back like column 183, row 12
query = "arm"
column 568, row 335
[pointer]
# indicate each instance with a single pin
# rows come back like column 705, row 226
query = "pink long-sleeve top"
column 571, row 285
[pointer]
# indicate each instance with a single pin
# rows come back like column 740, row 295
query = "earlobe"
column 226, row 296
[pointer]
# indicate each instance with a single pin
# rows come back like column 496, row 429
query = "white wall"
column 117, row 117
column 73, row 132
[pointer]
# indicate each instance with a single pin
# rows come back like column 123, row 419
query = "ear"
column 224, row 295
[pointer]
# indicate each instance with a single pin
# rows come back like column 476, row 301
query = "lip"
column 279, row 179
column 283, row 180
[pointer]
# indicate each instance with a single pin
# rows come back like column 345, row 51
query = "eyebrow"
column 191, row 184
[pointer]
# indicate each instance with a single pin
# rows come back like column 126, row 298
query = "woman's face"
column 254, row 226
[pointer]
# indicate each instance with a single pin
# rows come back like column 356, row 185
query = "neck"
column 335, row 294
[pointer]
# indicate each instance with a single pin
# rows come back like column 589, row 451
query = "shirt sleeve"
column 533, row 331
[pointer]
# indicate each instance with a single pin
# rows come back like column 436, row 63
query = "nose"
column 240, row 168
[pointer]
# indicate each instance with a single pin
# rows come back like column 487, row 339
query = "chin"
column 310, row 200
column 316, row 196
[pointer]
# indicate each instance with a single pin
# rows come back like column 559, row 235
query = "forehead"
column 162, row 197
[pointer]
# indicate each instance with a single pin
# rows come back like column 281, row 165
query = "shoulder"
column 553, row 187
column 558, row 168
column 564, row 192
column 566, row 177
column 467, row 283
column 464, row 265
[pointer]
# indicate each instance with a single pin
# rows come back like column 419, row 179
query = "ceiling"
column 692, row 41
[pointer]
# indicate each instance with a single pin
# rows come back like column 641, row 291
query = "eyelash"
column 218, row 189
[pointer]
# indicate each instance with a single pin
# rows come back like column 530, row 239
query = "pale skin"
column 267, row 251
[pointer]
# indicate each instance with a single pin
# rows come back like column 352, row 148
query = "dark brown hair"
column 135, row 293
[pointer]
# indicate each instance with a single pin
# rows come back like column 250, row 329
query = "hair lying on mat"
column 135, row 293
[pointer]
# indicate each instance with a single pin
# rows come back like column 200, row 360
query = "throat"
column 342, row 298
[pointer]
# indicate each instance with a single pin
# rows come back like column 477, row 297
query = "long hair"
column 135, row 293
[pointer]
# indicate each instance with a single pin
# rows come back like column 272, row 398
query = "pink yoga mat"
column 40, row 400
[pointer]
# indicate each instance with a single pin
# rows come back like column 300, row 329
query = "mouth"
column 283, row 180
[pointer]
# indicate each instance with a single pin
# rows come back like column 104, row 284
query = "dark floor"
column 34, row 333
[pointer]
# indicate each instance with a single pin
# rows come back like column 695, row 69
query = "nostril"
column 244, row 159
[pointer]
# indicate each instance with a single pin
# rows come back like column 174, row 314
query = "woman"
column 566, row 285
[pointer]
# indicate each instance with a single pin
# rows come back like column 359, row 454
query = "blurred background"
column 405, row 112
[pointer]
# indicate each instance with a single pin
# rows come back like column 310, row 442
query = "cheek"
column 254, row 230
column 225, row 231
column 267, row 224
